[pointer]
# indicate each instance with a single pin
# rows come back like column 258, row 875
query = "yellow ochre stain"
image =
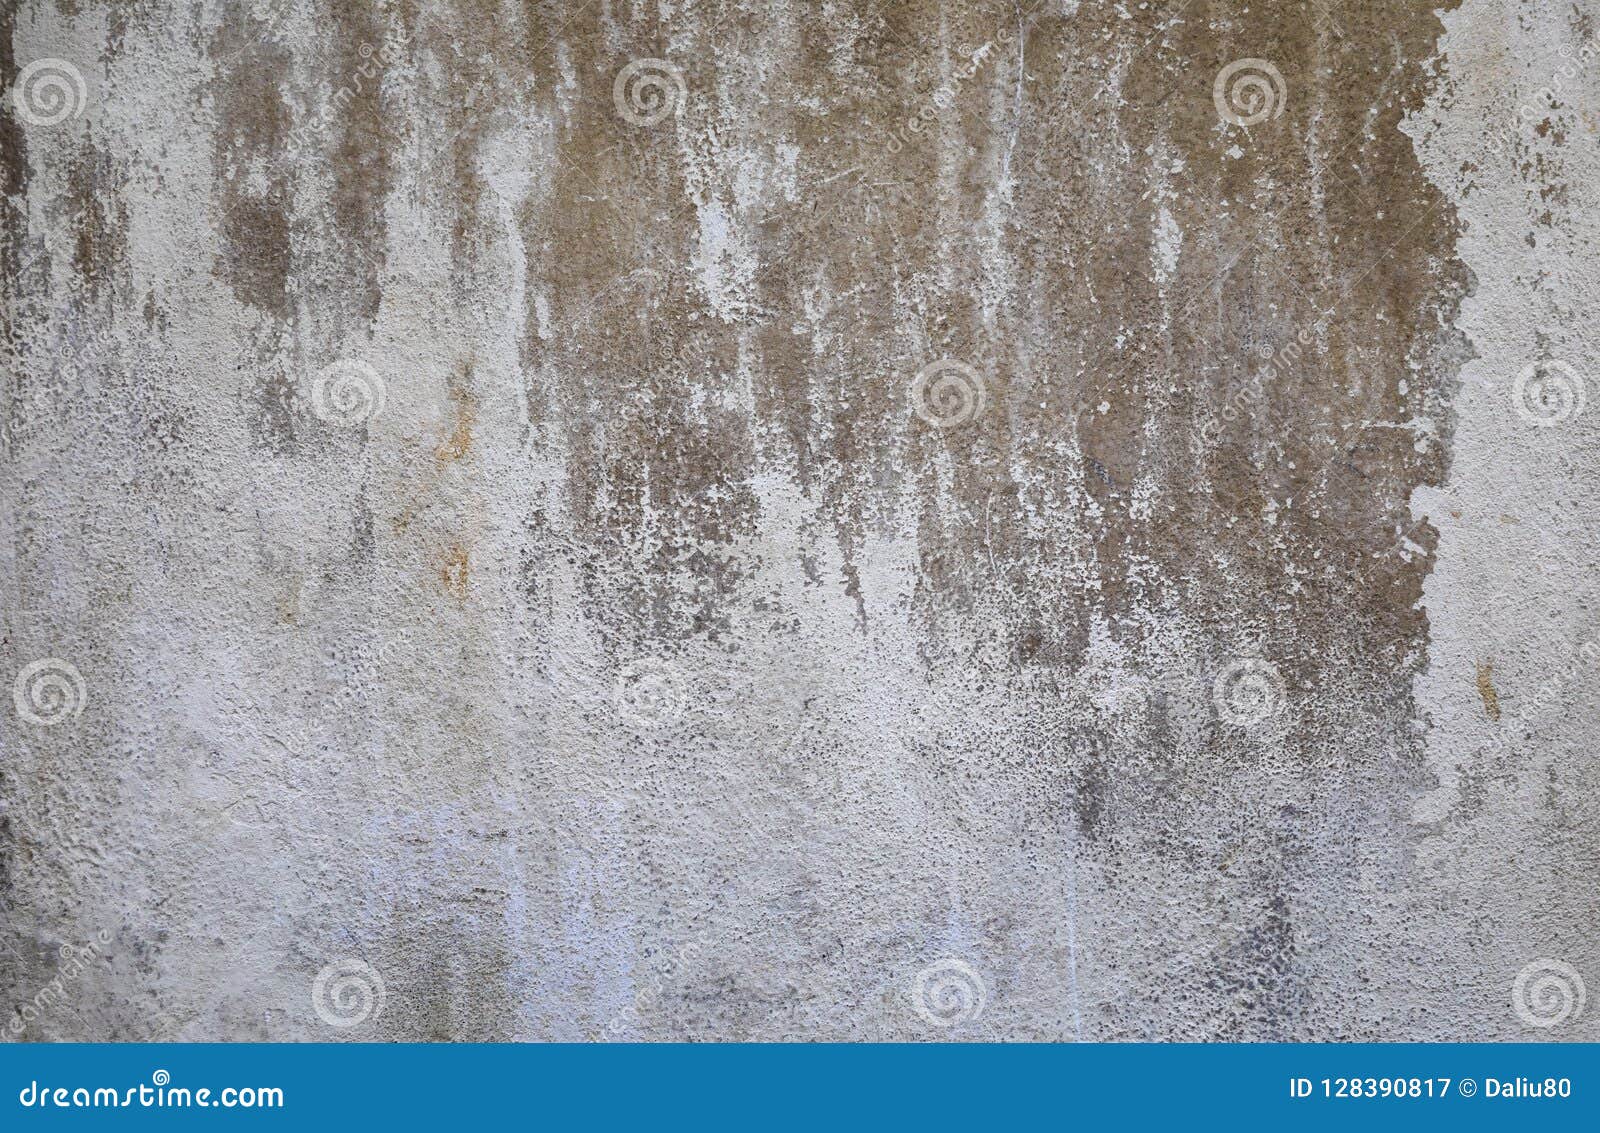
column 460, row 439
column 452, row 448
column 454, row 572
column 1491, row 699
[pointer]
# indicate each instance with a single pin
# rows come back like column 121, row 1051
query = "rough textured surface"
column 483, row 464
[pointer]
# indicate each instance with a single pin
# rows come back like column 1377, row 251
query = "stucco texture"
column 839, row 520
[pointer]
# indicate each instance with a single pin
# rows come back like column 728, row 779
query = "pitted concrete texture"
column 847, row 520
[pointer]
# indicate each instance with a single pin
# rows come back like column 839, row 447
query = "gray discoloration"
column 654, row 663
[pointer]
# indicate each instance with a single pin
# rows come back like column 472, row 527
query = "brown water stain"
column 13, row 175
column 363, row 137
column 254, row 178
column 1092, row 460
column 745, row 293
column 1486, row 690
column 455, row 572
column 99, row 243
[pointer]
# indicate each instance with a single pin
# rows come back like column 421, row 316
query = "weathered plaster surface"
column 659, row 660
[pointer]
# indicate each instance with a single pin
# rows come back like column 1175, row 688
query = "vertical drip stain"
column 361, row 156
column 254, row 176
column 254, row 200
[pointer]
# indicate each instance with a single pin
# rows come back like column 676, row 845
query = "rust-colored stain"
column 450, row 450
column 459, row 442
column 1486, row 689
column 289, row 602
column 453, row 448
column 454, row 573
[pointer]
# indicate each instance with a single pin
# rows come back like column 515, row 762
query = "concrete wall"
column 851, row 520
